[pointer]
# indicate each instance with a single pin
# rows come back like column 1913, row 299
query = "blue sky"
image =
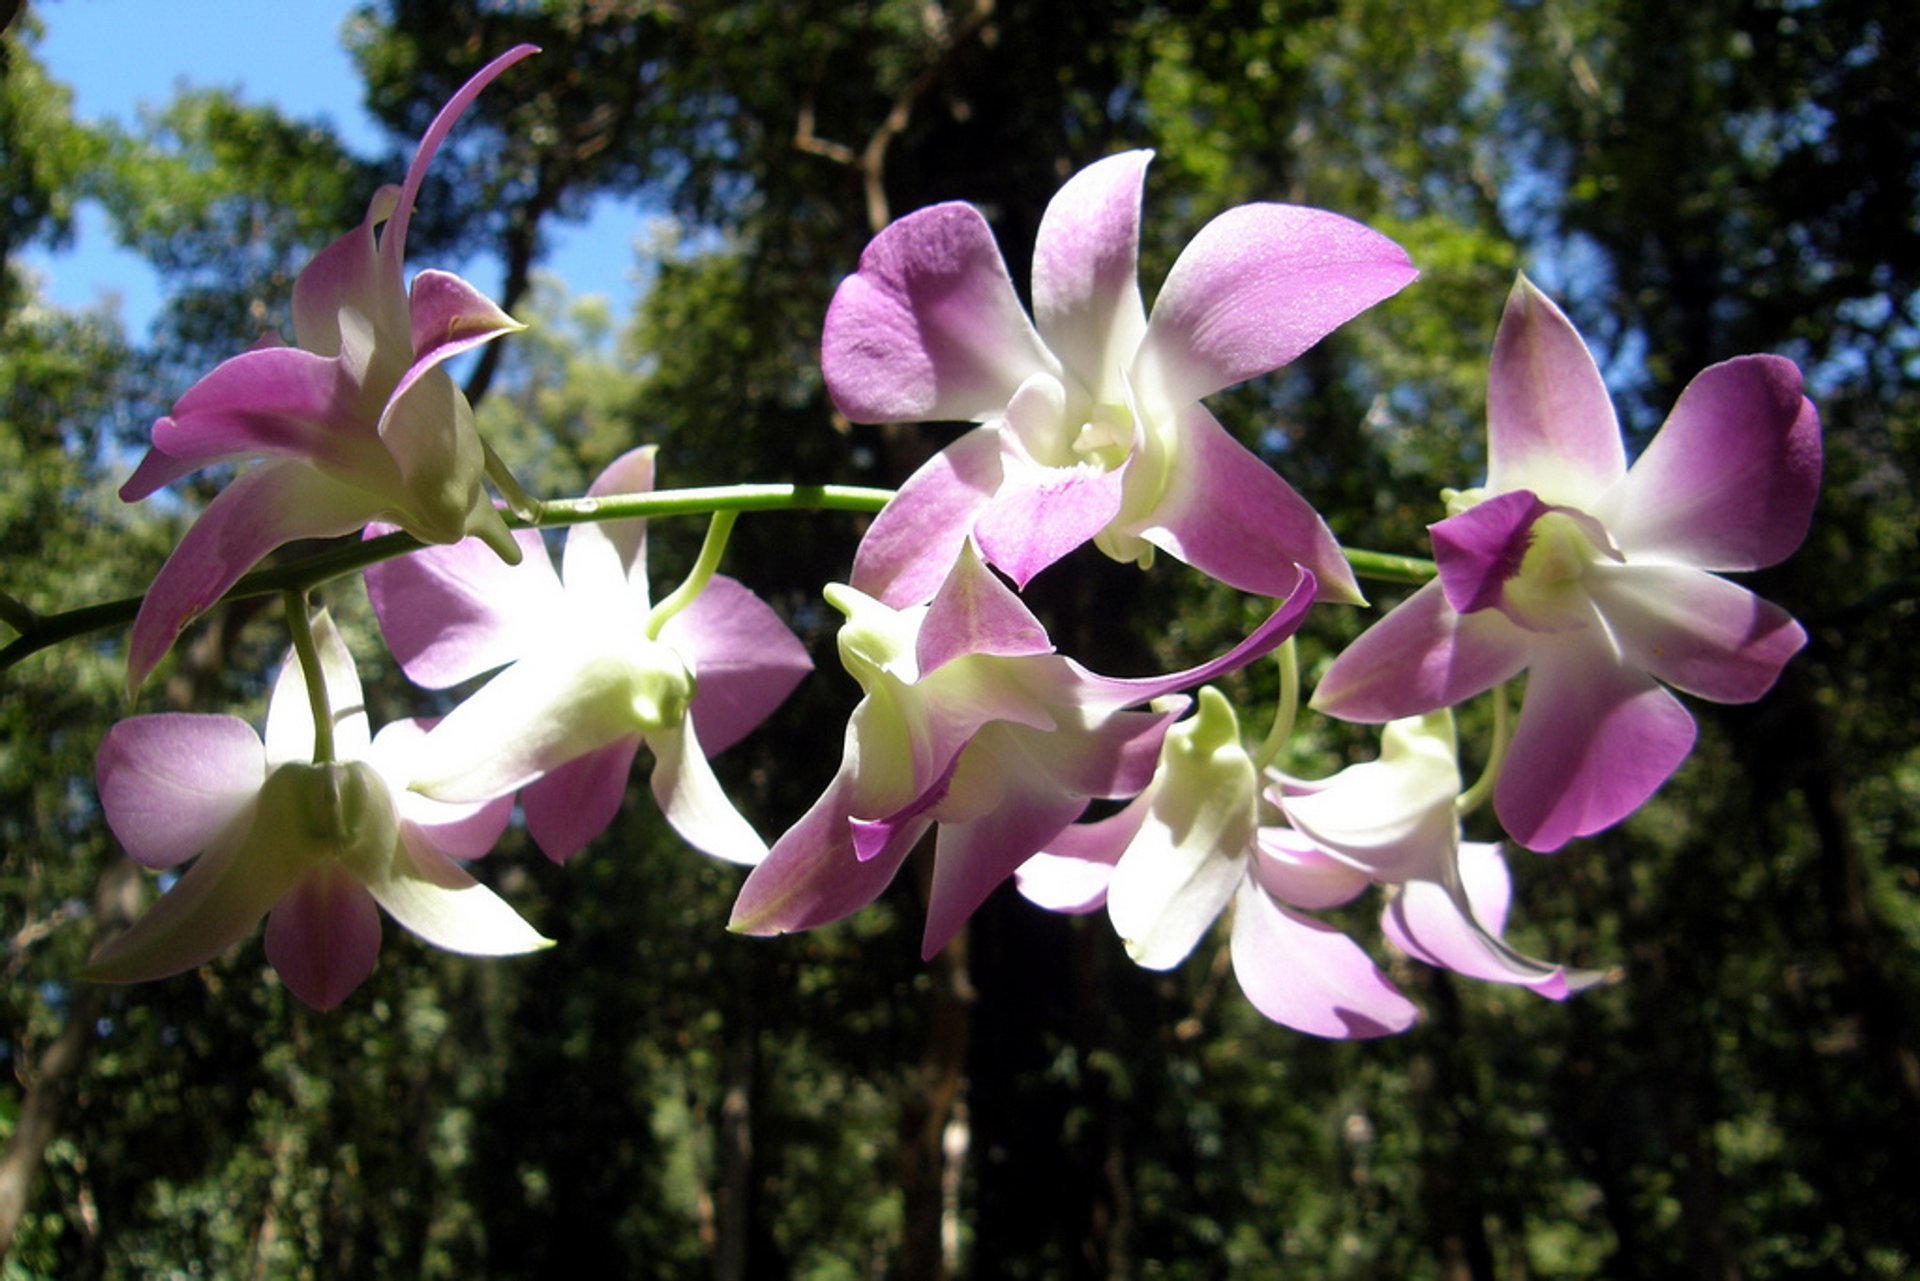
column 118, row 54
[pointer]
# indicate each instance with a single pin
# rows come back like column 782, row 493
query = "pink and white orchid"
column 1172, row 861
column 358, row 421
column 1092, row 426
column 1189, row 845
column 1598, row 580
column 1394, row 821
column 973, row 722
column 313, row 846
column 593, row 670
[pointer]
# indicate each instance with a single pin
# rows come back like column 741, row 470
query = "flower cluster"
column 1599, row 581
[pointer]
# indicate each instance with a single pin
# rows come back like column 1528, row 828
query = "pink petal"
column 448, row 316
column 972, row 859
column 1596, row 738
column 1086, row 289
column 266, row 508
column 393, row 241
column 1112, row 758
column 157, row 470
column 217, row 902
column 277, row 402
column 1042, row 513
column 1071, row 875
column 574, row 802
column 1696, row 631
column 1730, row 481
column 1309, row 976
column 609, row 555
column 346, row 275
column 1259, row 285
column 974, row 616
column 324, row 936
column 169, row 784
column 1421, row 657
column 462, row 831
column 912, row 543
column 1233, row 518
column 811, row 876
column 453, row 611
column 1550, row 423
column 1425, row 921
column 744, row 660
column 1300, row 874
column 929, row 327
column 1282, row 623
column 1479, row 550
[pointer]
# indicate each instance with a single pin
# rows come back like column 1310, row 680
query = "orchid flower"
column 358, row 421
column 970, row 721
column 593, row 669
column 1189, row 845
column 1170, row 863
column 1092, row 426
column 311, row 845
column 1599, row 580
column 1394, row 821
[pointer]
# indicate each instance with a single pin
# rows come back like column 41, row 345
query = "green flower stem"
column 1286, row 707
column 309, row 654
column 1476, row 796
column 48, row 630
column 719, row 529
column 1382, row 567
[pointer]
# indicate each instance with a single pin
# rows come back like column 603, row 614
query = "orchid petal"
column 1420, row 657
column 1595, row 739
column 467, row 831
column 394, row 240
column 278, row 402
column 1042, row 513
column 610, row 557
column 574, row 802
column 1696, row 631
column 427, row 427
column 1233, row 518
column 1282, row 623
column 344, row 275
column 268, row 507
column 811, row 876
column 1114, row 755
column 1480, row 550
column 972, row 859
column 929, row 327
column 1309, row 976
column 745, row 660
column 1072, row 874
column 1086, row 289
column 911, row 545
column 1259, row 285
column 1392, row 818
column 157, row 469
column 447, row 317
column 695, row 804
column 1300, row 874
column 324, row 936
column 171, row 783
column 215, row 904
column 434, row 898
column 451, row 612
column 1730, row 481
column 527, row 721
column 1550, row 423
column 1426, row 921
column 289, row 736
column 974, row 616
